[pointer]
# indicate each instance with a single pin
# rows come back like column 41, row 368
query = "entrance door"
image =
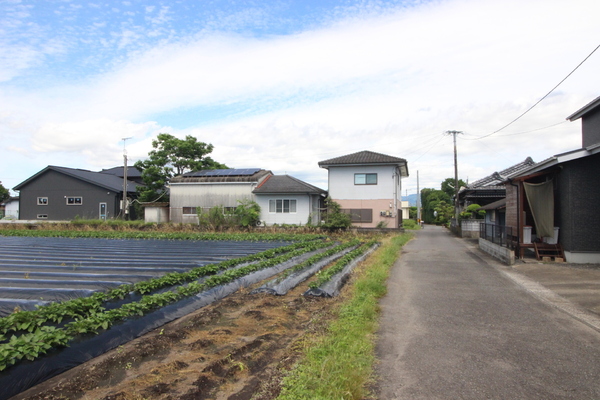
column 103, row 211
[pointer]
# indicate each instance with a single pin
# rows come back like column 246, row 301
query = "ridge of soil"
column 238, row 348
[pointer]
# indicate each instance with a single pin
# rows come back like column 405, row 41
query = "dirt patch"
column 235, row 349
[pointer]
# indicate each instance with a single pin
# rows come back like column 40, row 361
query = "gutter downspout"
column 510, row 181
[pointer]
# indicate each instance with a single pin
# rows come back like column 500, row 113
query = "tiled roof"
column 363, row 157
column 286, row 184
column 497, row 178
column 106, row 181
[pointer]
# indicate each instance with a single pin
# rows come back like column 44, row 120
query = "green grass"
column 410, row 224
column 339, row 364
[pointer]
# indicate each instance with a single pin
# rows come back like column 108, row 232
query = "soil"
column 236, row 349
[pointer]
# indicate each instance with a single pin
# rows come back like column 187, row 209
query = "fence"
column 497, row 234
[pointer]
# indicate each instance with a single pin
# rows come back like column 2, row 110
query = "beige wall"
column 377, row 206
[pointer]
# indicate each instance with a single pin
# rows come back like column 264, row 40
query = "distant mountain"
column 412, row 199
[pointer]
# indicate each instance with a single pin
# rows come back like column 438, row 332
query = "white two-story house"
column 368, row 186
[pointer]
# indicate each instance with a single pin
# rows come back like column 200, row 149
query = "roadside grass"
column 338, row 365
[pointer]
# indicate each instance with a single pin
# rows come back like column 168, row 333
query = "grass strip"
column 339, row 364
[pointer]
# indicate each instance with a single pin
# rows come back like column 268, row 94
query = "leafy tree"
column 247, row 212
column 4, row 193
column 472, row 212
column 171, row 157
column 412, row 213
column 448, row 186
column 335, row 218
column 435, row 200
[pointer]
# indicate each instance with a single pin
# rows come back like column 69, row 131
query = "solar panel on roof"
column 225, row 172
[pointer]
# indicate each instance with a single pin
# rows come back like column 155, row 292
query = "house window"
column 42, row 201
column 282, row 206
column 365, row 179
column 358, row 215
column 74, row 201
column 42, row 216
column 189, row 210
column 229, row 210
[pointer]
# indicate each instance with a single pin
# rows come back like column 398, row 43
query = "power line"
column 520, row 133
column 540, row 100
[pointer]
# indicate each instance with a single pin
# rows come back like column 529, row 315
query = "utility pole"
column 125, row 206
column 418, row 200
column 454, row 133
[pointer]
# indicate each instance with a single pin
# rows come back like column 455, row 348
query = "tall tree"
column 170, row 157
column 433, row 200
column 448, row 186
column 4, row 193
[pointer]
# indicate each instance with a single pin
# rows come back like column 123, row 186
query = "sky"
column 282, row 85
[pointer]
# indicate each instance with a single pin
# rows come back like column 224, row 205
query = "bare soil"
column 236, row 349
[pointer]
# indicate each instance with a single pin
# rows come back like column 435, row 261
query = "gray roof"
column 256, row 177
column 592, row 105
column 107, row 181
column 132, row 172
column 496, row 179
column 286, row 184
column 366, row 158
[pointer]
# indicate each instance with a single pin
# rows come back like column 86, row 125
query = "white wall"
column 11, row 209
column 300, row 217
column 342, row 187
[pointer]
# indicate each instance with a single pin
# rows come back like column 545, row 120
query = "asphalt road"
column 454, row 326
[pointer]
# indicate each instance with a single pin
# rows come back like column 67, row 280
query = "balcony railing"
column 497, row 234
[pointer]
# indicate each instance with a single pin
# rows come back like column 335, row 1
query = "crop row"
column 326, row 275
column 84, row 306
column 255, row 237
column 320, row 256
column 33, row 344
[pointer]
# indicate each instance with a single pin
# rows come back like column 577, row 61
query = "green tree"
column 472, row 211
column 335, row 218
column 433, row 200
column 448, row 186
column 170, row 157
column 4, row 193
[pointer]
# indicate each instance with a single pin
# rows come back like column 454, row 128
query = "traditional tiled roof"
column 494, row 181
column 106, row 181
column 286, row 184
column 362, row 158
column 366, row 158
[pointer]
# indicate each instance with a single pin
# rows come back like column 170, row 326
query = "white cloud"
column 391, row 82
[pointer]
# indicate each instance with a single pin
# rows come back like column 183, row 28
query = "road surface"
column 454, row 326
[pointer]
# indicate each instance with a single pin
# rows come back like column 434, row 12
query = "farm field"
column 38, row 270
column 240, row 339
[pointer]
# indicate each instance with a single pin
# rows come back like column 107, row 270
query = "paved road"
column 455, row 327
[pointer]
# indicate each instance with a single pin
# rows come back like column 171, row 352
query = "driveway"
column 456, row 324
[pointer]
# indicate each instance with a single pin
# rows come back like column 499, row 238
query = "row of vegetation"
column 339, row 364
column 91, row 317
column 135, row 234
column 326, row 275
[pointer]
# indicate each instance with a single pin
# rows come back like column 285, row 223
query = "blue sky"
column 282, row 85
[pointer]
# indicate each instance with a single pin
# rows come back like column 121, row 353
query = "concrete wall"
column 502, row 253
column 470, row 228
column 156, row 215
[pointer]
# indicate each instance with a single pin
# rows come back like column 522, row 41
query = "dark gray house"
column 59, row 194
column 558, row 198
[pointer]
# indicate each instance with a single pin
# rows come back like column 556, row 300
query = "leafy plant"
column 248, row 213
column 335, row 218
